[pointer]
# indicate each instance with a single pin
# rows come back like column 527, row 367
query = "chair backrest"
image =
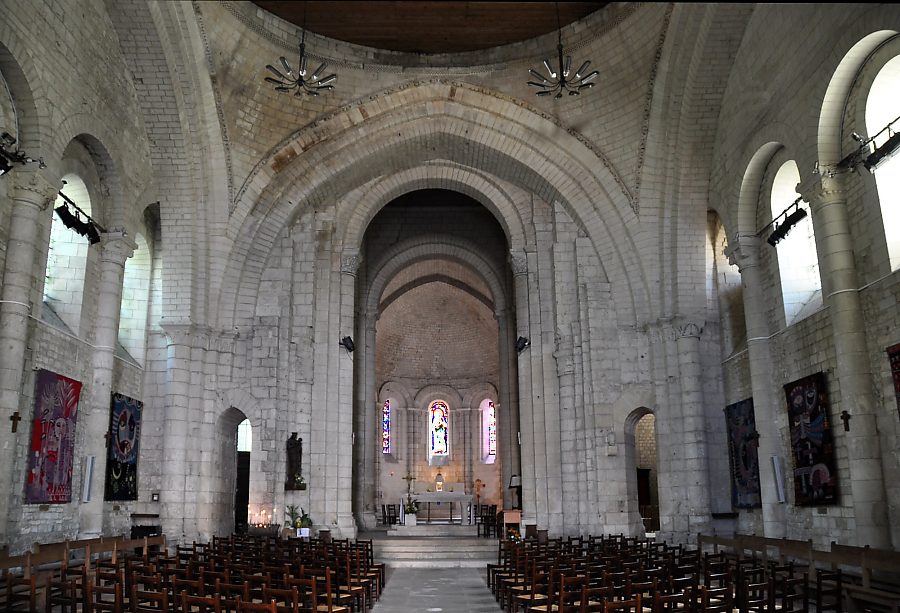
column 143, row 601
column 200, row 604
column 286, row 600
column 256, row 607
column 307, row 592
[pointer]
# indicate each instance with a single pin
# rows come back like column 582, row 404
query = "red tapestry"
column 894, row 357
column 52, row 439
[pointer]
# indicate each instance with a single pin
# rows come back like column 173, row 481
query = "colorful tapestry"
column 52, row 439
column 124, row 440
column 894, row 357
column 815, row 470
column 743, row 442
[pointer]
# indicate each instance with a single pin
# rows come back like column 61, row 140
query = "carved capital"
column 824, row 188
column 687, row 328
column 35, row 188
column 178, row 332
column 743, row 251
column 518, row 262
column 350, row 263
column 116, row 247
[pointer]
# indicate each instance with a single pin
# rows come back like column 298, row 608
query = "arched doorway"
column 640, row 435
column 231, row 501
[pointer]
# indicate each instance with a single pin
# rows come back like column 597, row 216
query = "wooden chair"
column 716, row 599
column 829, row 591
column 104, row 598
column 65, row 593
column 625, row 606
column 199, row 604
column 256, row 607
column 307, row 593
column 143, row 601
column 230, row 593
column 677, row 602
column 286, row 600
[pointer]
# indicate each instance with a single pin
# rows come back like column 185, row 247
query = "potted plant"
column 410, row 508
column 304, row 524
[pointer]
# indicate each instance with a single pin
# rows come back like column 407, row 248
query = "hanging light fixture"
column 559, row 81
column 301, row 82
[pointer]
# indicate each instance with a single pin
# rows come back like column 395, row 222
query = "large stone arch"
column 437, row 120
column 31, row 105
column 831, row 126
column 407, row 252
column 356, row 214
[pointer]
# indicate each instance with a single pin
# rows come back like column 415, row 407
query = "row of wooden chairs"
column 587, row 575
column 244, row 569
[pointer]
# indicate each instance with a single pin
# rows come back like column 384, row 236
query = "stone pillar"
column 176, row 429
column 506, row 407
column 367, row 428
column 768, row 404
column 571, row 484
column 526, row 435
column 345, row 397
column 31, row 193
column 837, row 267
column 115, row 248
column 696, row 472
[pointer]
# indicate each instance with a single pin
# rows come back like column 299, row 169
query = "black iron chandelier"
column 559, row 81
column 301, row 82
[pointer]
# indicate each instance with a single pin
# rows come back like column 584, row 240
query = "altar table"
column 467, row 509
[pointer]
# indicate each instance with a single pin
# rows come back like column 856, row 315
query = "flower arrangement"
column 411, row 505
column 297, row 517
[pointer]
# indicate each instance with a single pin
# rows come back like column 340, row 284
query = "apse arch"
column 413, row 250
column 438, row 120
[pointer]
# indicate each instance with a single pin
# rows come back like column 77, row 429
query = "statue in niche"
column 294, row 480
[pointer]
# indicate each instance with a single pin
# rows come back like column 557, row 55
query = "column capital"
column 350, row 262
column 518, row 261
column 823, row 188
column 38, row 188
column 179, row 333
column 687, row 327
column 116, row 247
column 743, row 251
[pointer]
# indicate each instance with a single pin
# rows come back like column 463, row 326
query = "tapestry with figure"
column 743, row 442
column 894, row 357
column 124, row 440
column 812, row 443
column 52, row 451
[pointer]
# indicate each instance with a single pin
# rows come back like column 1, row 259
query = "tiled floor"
column 449, row 590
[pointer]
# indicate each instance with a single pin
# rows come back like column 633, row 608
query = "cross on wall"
column 15, row 418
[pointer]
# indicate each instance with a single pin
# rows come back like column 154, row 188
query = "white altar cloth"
column 460, row 498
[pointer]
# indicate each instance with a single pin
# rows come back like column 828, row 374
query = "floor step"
column 434, row 552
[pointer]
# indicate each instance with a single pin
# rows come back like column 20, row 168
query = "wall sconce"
column 439, row 482
column 347, row 343
column 521, row 344
column 154, row 497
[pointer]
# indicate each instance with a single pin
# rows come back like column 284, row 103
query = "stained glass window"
column 488, row 431
column 386, row 427
column 439, row 430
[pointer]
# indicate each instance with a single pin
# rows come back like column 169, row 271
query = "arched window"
column 488, row 431
column 135, row 300
column 798, row 263
column 67, row 258
column 244, row 436
column 438, row 431
column 386, row 427
column 881, row 109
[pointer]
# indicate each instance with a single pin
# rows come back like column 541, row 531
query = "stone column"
column 345, row 397
column 696, row 472
column 179, row 338
column 31, row 193
column 367, row 427
column 571, row 484
column 768, row 404
column 840, row 284
column 115, row 248
column 527, row 435
column 506, row 407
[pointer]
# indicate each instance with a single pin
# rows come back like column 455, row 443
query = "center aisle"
column 449, row 590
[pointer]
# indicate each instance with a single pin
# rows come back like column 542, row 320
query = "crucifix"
column 409, row 479
column 15, row 418
column 845, row 416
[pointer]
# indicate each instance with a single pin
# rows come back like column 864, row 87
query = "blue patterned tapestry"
column 743, row 442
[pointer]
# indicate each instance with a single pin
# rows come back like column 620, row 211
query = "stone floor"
column 449, row 590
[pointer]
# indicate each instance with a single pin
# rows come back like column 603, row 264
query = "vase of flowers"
column 410, row 508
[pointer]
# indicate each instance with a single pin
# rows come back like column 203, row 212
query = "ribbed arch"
column 437, row 121
column 407, row 252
